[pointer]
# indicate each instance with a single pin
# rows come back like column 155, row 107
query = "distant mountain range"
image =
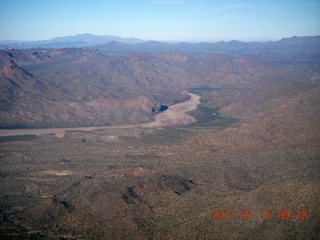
column 80, row 40
column 118, row 45
column 293, row 45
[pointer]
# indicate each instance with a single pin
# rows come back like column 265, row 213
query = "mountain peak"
column 12, row 70
column 11, row 66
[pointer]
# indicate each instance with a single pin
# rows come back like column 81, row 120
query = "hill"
column 37, row 101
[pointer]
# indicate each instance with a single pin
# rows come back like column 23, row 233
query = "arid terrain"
column 161, row 145
column 176, row 115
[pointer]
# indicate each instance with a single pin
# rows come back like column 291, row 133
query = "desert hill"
column 72, row 96
column 18, row 84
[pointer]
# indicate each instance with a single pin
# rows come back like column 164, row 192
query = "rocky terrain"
column 74, row 87
column 253, row 151
column 49, row 99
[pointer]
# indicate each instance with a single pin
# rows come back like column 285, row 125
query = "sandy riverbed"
column 175, row 115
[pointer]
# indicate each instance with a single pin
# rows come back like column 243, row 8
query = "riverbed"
column 175, row 115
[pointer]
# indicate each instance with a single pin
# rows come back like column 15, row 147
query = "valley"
column 96, row 157
column 176, row 115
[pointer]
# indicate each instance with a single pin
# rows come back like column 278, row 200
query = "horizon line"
column 246, row 39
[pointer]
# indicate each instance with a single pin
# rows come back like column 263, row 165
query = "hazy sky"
column 177, row 20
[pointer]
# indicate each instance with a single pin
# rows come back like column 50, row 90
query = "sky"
column 161, row 20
